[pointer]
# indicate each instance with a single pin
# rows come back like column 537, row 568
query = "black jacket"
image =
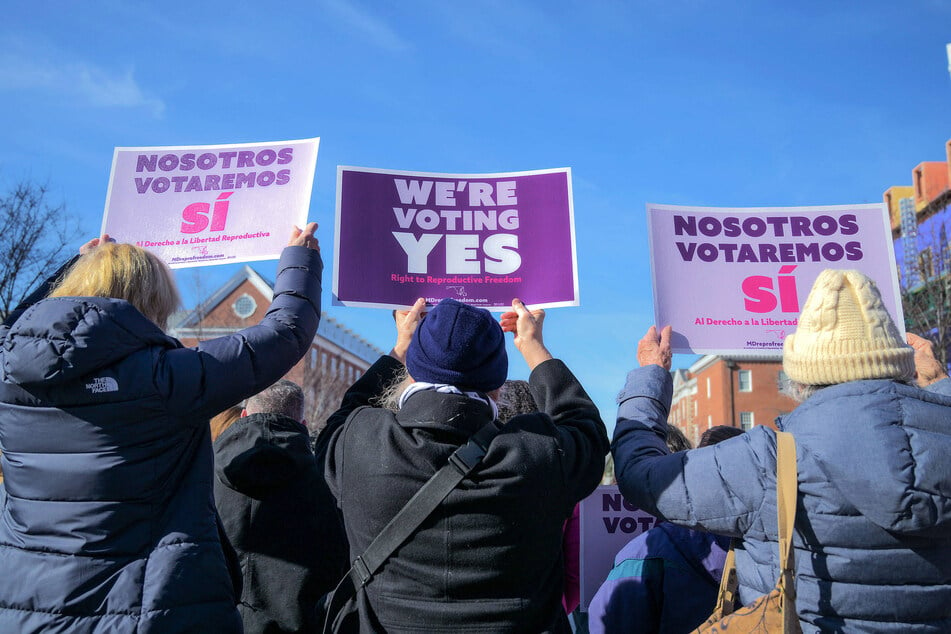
column 282, row 520
column 489, row 559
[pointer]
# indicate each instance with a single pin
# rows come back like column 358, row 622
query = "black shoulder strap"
column 461, row 463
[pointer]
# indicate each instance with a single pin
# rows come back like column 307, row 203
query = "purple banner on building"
column 210, row 204
column 734, row 280
column 481, row 239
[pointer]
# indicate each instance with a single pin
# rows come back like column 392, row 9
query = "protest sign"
column 210, row 204
column 734, row 280
column 481, row 239
column 608, row 523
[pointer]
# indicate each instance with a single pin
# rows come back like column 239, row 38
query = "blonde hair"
column 123, row 271
column 224, row 420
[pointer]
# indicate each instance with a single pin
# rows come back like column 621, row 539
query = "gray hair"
column 798, row 392
column 389, row 398
column 284, row 397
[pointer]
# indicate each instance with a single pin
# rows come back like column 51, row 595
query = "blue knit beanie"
column 459, row 345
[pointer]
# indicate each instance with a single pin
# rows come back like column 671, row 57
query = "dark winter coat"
column 282, row 520
column 109, row 520
column 489, row 558
column 873, row 525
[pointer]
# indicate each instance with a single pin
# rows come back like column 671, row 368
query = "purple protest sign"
column 482, row 239
column 734, row 280
column 607, row 524
column 210, row 204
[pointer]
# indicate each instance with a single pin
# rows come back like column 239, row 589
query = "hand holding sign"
column 90, row 246
column 406, row 323
column 928, row 370
column 305, row 237
column 527, row 326
column 654, row 349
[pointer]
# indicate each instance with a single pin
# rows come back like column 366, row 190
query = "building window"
column 244, row 306
column 781, row 380
column 746, row 380
column 313, row 357
column 708, row 387
column 746, row 420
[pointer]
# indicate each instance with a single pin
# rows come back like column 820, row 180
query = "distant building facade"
column 740, row 390
column 921, row 222
column 337, row 356
column 921, row 228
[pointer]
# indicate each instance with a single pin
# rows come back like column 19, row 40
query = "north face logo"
column 103, row 384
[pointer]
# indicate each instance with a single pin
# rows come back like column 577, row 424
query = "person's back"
column 873, row 529
column 489, row 558
column 278, row 513
column 108, row 523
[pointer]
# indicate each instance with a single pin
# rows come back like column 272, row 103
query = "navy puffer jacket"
column 108, row 522
column 873, row 524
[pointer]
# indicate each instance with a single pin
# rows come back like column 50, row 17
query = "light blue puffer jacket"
column 108, row 522
column 873, row 525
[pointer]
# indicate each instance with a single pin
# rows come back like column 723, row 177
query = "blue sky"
column 693, row 102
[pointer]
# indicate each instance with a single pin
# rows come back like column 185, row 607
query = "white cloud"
column 374, row 29
column 22, row 69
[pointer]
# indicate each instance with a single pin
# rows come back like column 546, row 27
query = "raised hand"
column 95, row 242
column 655, row 349
column 407, row 321
column 527, row 326
column 305, row 237
column 928, row 369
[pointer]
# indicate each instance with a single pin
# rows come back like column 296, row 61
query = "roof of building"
column 330, row 329
column 709, row 359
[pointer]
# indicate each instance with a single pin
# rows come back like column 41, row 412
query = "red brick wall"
column 764, row 399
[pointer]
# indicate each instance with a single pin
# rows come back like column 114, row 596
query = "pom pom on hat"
column 459, row 345
column 845, row 334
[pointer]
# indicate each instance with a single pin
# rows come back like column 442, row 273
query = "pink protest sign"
column 734, row 280
column 210, row 204
column 608, row 523
column 481, row 239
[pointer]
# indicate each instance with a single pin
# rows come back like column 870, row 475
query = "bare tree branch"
column 34, row 237
column 324, row 389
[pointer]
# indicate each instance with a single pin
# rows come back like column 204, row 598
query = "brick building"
column 740, row 390
column 337, row 356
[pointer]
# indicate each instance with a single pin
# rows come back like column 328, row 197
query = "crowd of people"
column 124, row 509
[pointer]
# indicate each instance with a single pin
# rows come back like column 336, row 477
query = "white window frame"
column 749, row 380
column 752, row 421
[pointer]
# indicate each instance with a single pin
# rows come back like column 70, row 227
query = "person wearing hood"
column 873, row 527
column 489, row 558
column 278, row 513
column 109, row 522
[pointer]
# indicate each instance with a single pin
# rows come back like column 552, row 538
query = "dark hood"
column 61, row 339
column 261, row 453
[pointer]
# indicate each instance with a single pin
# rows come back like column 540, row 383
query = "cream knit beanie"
column 845, row 334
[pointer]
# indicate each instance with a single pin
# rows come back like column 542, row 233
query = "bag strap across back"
column 461, row 463
column 786, row 488
column 786, row 493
